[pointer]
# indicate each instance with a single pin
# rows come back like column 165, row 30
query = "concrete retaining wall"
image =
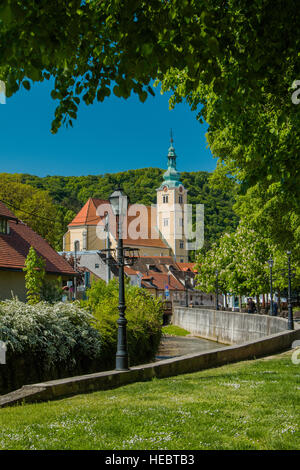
column 227, row 327
column 260, row 335
column 180, row 365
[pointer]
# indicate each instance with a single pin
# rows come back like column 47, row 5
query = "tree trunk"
column 264, row 301
column 240, row 303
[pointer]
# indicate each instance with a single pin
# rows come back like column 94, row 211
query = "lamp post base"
column 290, row 319
column 122, row 363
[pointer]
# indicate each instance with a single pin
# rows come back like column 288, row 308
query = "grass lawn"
column 248, row 405
column 173, row 330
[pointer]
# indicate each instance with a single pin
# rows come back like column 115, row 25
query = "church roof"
column 88, row 216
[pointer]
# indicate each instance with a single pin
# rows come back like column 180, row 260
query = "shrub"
column 143, row 313
column 57, row 333
column 34, row 276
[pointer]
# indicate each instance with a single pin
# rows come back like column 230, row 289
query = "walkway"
column 173, row 346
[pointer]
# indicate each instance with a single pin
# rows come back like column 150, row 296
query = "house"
column 16, row 238
column 166, row 279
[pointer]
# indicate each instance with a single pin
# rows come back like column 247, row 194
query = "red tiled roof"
column 15, row 246
column 161, row 280
column 5, row 212
column 128, row 270
column 88, row 214
column 187, row 267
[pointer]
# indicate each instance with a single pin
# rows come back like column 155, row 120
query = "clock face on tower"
column 165, row 188
column 181, row 188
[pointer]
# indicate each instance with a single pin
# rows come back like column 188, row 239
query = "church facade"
column 156, row 230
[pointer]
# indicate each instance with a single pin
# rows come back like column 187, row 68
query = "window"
column 153, row 267
column 181, row 222
column 96, row 266
column 181, row 244
column 180, row 199
column 165, row 199
column 166, row 222
column 3, row 226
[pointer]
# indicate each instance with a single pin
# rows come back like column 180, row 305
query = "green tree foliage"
column 241, row 259
column 234, row 61
column 144, row 315
column 34, row 206
column 51, row 290
column 93, row 47
column 34, row 276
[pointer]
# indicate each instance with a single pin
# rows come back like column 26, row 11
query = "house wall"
column 12, row 283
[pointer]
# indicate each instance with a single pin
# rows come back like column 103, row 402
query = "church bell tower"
column 171, row 201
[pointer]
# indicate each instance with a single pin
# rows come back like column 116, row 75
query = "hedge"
column 46, row 342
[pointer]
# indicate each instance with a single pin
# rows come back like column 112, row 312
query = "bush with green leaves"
column 52, row 290
column 59, row 333
column 143, row 313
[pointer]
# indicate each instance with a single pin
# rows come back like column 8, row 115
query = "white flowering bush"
column 58, row 333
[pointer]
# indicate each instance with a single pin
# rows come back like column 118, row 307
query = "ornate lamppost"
column 270, row 261
column 125, row 257
column 217, row 289
column 290, row 306
column 290, row 273
column 186, row 281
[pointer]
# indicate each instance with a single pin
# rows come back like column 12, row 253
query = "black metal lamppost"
column 125, row 257
column 270, row 261
column 217, row 289
column 186, row 280
column 290, row 306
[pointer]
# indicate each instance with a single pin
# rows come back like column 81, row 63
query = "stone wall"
column 254, row 335
column 227, row 327
column 179, row 365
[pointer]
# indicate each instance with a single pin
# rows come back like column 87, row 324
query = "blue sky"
column 107, row 137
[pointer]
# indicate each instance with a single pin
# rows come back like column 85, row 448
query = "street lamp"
column 186, row 279
column 290, row 307
column 270, row 261
column 118, row 201
column 217, row 289
column 76, row 249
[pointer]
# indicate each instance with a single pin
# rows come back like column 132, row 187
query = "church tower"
column 171, row 200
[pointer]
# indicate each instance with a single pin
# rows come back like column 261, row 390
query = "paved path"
column 172, row 346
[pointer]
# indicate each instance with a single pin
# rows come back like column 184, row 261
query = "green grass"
column 248, row 405
column 173, row 330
